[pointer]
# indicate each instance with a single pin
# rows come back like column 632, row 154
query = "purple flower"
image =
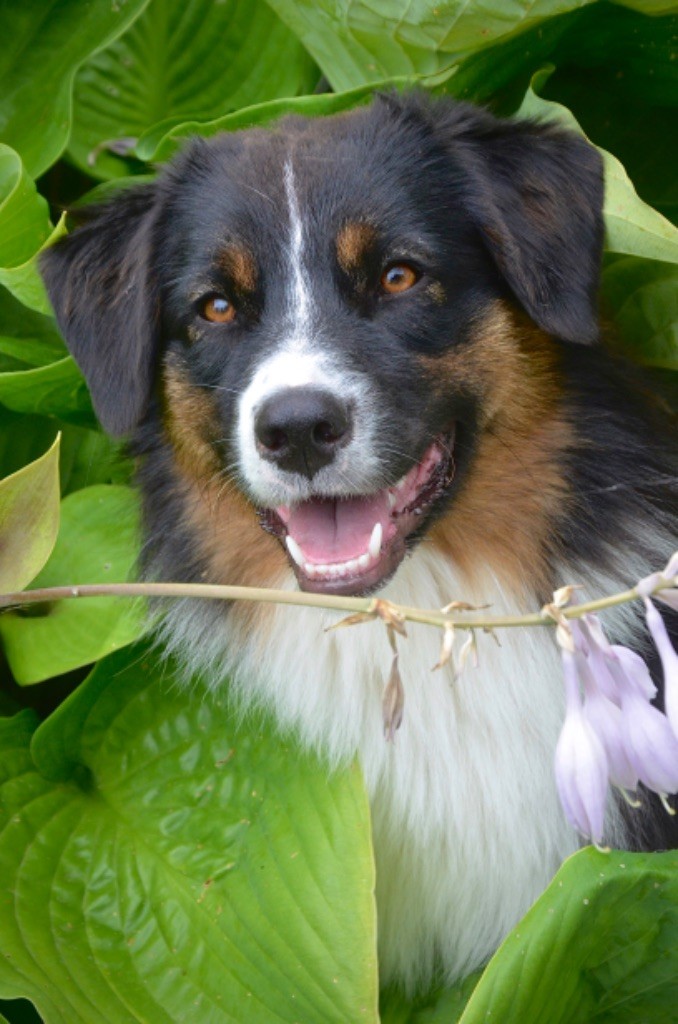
column 669, row 660
column 628, row 668
column 650, row 743
column 605, row 718
column 580, row 761
column 612, row 731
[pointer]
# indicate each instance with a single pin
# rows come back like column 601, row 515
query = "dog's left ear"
column 99, row 282
column 535, row 192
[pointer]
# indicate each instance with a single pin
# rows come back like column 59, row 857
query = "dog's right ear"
column 106, row 304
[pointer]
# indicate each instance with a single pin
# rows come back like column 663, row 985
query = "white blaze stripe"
column 300, row 360
column 300, row 299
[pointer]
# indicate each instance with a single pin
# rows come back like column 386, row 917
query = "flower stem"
column 367, row 606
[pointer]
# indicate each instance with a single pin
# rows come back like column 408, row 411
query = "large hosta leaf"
column 25, row 229
column 87, row 457
column 600, row 944
column 24, row 215
column 57, row 389
column 162, row 140
column 197, row 59
column 43, row 44
column 617, row 72
column 26, row 337
column 443, row 1007
column 354, row 41
column 642, row 295
column 98, row 543
column 631, row 226
column 179, row 868
column 29, row 520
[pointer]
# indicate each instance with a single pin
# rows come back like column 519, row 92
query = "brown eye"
column 398, row 278
column 218, row 310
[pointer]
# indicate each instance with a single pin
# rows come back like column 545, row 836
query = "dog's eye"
column 217, row 309
column 398, row 278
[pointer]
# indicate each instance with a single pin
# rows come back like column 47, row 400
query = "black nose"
column 300, row 429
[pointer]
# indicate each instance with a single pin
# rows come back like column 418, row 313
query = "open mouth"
column 354, row 545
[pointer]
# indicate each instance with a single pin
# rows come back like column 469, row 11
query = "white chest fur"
column 466, row 821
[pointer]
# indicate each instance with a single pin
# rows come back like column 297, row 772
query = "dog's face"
column 311, row 314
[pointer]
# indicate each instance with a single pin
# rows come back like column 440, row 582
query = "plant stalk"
column 366, row 606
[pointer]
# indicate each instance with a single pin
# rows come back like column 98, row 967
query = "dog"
column 358, row 355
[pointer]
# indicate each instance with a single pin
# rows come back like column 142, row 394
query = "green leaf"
column 57, row 389
column 44, row 43
column 29, row 520
column 600, row 944
column 444, row 1007
column 161, row 141
column 20, row 1012
column 631, row 225
column 650, row 6
column 24, row 213
column 617, row 72
column 359, row 41
column 499, row 75
column 642, row 295
column 86, row 457
column 197, row 59
column 25, row 229
column 98, row 542
column 180, row 867
column 25, row 281
column 26, row 336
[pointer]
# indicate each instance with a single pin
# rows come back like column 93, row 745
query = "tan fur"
column 353, row 242
column 189, row 418
column 223, row 522
column 240, row 266
column 503, row 513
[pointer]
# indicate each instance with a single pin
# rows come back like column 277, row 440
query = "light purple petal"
column 646, row 586
column 580, row 763
column 629, row 669
column 669, row 660
column 596, row 645
column 650, row 743
column 649, row 584
column 671, row 568
column 669, row 597
column 606, row 720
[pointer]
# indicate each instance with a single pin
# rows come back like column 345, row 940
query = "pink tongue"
column 333, row 530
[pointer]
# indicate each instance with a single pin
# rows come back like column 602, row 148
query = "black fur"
column 105, row 298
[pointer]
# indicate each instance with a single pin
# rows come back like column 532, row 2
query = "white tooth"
column 401, row 483
column 309, row 569
column 335, row 570
column 294, row 550
column 364, row 560
column 322, row 570
column 392, row 500
column 352, row 565
column 374, row 547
